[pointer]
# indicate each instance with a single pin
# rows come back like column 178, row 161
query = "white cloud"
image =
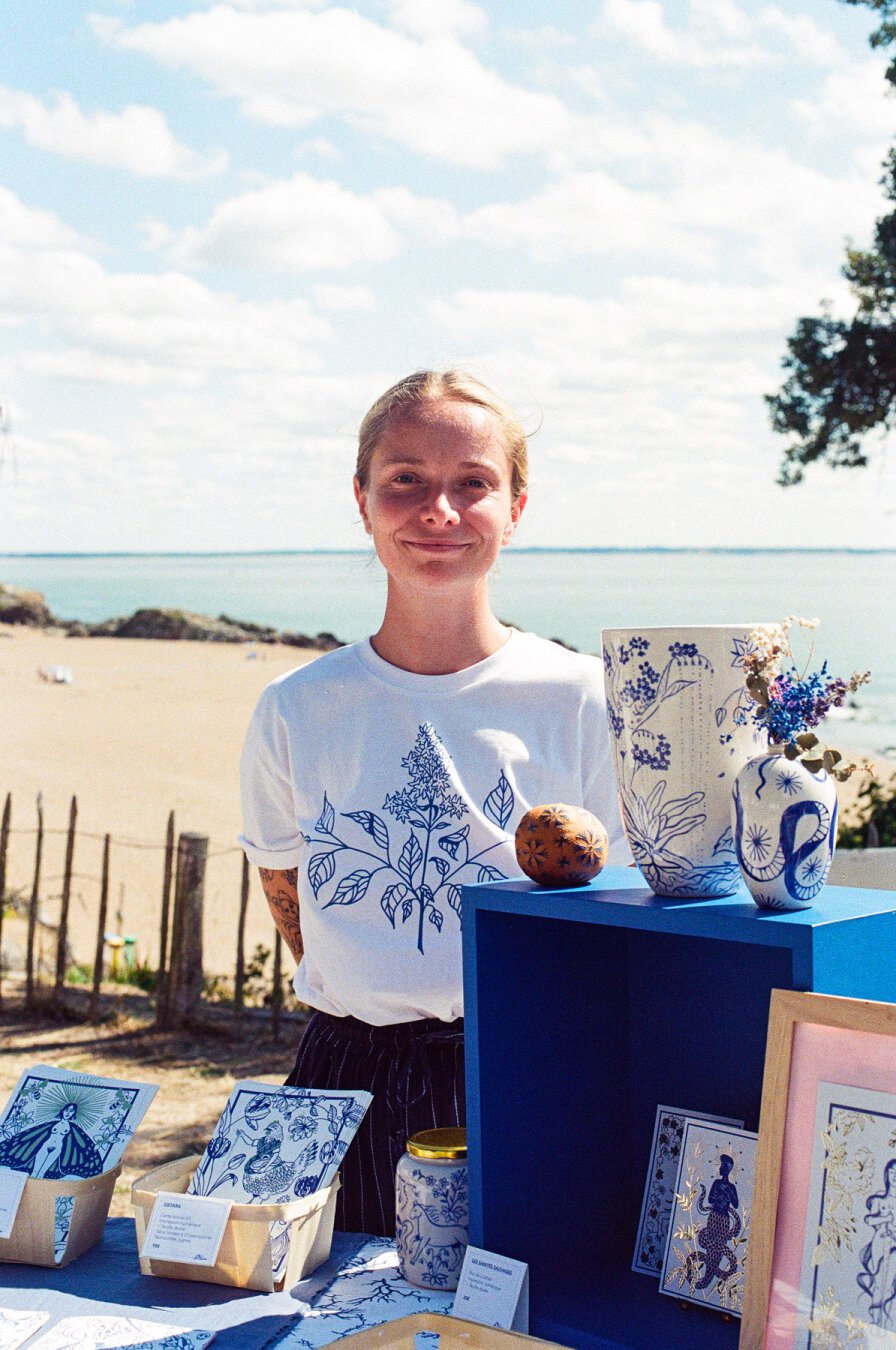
column 306, row 224
column 810, row 41
column 707, row 43
column 432, row 96
column 137, row 139
column 445, row 18
column 588, row 213
column 167, row 322
column 855, row 95
column 300, row 225
column 31, row 227
column 338, row 298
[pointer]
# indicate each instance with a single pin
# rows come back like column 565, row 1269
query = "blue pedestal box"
column 587, row 1008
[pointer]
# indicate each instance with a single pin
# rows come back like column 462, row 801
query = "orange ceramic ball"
column 560, row 845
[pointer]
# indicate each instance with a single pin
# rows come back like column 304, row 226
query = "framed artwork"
column 709, row 1229
column 659, row 1188
column 823, row 1250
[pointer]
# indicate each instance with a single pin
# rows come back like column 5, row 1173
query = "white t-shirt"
column 387, row 790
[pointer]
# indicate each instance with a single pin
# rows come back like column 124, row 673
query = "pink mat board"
column 819, row 1054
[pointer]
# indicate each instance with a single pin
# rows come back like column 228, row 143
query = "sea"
column 559, row 593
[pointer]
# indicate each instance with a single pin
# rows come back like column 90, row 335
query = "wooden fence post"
column 62, row 934
column 32, row 908
column 185, row 979
column 277, row 989
column 94, row 1010
column 4, row 844
column 162, row 974
column 240, row 976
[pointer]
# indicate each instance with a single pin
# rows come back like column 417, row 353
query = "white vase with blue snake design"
column 681, row 727
column 785, row 830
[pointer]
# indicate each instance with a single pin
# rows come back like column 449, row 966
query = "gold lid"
column 450, row 1143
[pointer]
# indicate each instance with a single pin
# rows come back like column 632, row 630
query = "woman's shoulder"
column 545, row 659
column 329, row 670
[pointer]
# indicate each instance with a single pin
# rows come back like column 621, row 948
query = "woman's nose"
column 440, row 508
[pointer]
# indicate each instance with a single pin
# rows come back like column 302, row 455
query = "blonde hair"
column 458, row 385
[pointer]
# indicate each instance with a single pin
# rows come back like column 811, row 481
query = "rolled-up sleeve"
column 271, row 836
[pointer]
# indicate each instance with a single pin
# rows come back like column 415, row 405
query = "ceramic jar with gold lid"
column 431, row 1208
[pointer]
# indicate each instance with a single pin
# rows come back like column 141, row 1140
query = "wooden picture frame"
column 812, row 1038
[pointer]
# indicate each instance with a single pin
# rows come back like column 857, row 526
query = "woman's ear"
column 516, row 511
column 361, row 499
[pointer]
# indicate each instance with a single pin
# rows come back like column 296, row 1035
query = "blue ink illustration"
column 877, row 1278
column 426, row 870
column 763, row 858
column 64, row 1127
column 245, row 1157
column 654, row 823
column 432, row 1233
column 722, row 1227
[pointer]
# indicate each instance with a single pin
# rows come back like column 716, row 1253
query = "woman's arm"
column 283, row 899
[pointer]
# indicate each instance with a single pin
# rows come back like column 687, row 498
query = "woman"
column 381, row 777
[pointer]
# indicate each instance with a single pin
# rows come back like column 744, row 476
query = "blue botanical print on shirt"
column 426, row 870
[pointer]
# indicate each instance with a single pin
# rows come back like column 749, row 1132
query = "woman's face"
column 438, row 503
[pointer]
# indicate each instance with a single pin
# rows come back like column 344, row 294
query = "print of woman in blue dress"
column 54, row 1148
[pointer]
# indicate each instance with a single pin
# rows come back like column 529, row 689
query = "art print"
column 61, row 1124
column 115, row 1333
column 64, row 1208
column 272, row 1145
column 17, row 1327
column 706, row 1249
column 659, row 1189
column 848, row 1285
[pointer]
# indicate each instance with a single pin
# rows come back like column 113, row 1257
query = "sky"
column 225, row 228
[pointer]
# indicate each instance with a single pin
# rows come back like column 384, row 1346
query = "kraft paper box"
column 50, row 1232
column 244, row 1260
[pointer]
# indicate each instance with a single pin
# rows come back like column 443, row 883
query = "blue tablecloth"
column 359, row 1286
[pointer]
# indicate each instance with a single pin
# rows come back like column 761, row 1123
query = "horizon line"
column 365, row 552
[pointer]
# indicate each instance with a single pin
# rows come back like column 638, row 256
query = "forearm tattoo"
column 283, row 899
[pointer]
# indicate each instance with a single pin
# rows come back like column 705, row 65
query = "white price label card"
column 494, row 1290
column 186, row 1228
column 12, row 1184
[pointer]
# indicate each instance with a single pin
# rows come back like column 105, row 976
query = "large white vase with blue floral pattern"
column 681, row 727
column 785, row 830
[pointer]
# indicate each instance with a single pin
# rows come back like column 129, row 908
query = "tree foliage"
column 841, row 381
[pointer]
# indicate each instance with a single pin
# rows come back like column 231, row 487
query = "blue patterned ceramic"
column 680, row 729
column 785, row 830
column 431, row 1218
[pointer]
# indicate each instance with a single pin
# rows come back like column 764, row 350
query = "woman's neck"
column 431, row 634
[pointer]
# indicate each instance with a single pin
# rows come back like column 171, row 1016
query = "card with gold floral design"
column 659, row 1188
column 709, row 1230
column 848, row 1286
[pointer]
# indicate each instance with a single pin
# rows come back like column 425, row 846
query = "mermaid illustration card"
column 659, row 1189
column 274, row 1144
column 709, row 1229
column 61, row 1124
column 848, row 1284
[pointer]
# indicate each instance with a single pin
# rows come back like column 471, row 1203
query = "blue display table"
column 587, row 1008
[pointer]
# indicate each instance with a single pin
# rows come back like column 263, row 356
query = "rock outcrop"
column 24, row 607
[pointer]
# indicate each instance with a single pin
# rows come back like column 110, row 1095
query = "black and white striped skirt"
column 415, row 1071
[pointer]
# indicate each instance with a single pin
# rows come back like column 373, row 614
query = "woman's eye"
column 403, row 478
column 477, row 483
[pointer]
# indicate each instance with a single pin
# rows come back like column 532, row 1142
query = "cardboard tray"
column 244, row 1260
column 32, row 1241
column 453, row 1332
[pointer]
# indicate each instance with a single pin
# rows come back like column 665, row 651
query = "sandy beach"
column 146, row 728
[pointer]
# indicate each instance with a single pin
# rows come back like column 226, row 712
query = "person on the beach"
column 382, row 776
